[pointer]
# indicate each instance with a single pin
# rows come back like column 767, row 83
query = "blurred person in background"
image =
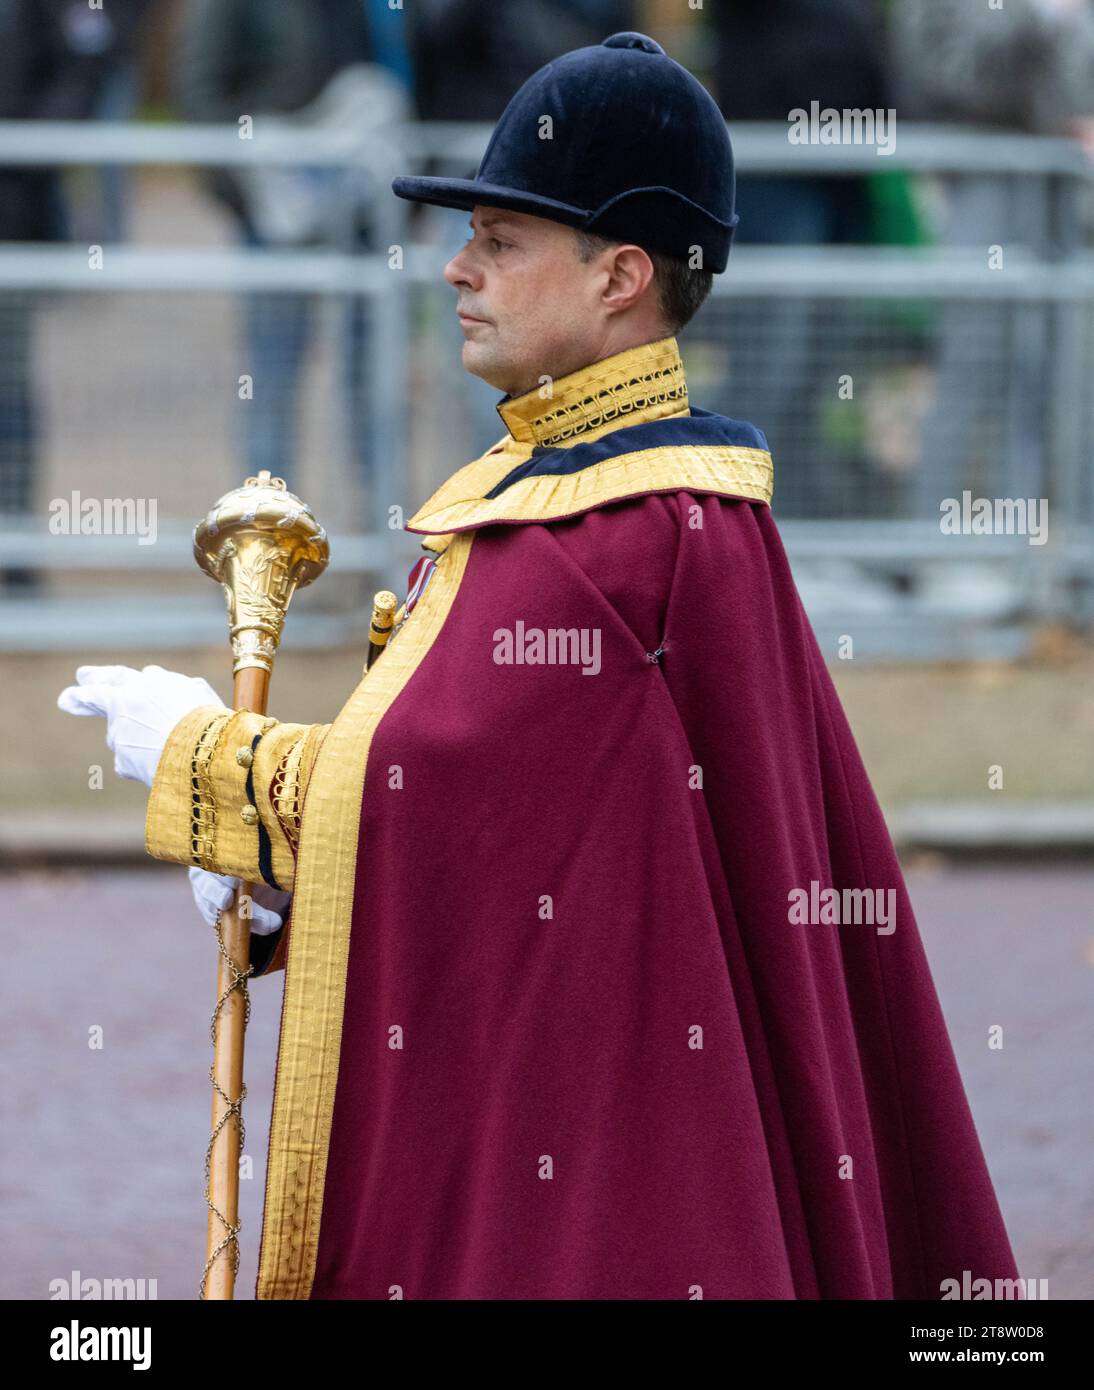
column 108, row 205
column 773, row 57
column 469, row 56
column 57, row 58
column 1026, row 68
column 255, row 58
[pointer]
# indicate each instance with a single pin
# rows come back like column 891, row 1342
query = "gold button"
column 249, row 814
column 244, row 756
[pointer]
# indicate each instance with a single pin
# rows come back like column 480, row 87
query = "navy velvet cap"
column 635, row 149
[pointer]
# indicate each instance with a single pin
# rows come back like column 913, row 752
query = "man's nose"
column 461, row 269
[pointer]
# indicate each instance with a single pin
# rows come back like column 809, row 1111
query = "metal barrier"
column 959, row 377
column 888, row 380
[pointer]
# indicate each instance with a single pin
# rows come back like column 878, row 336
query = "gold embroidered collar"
column 641, row 384
column 645, row 382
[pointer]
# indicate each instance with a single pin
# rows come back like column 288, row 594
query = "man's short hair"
column 681, row 288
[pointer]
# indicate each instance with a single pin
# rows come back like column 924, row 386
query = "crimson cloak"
column 552, row 1028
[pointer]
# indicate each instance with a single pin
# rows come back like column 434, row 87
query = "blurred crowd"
column 1013, row 65
column 1021, row 65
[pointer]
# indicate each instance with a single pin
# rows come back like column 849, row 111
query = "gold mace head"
column 262, row 543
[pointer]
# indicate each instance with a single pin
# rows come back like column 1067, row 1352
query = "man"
column 58, row 61
column 555, row 1026
column 1024, row 67
column 236, row 57
column 469, row 58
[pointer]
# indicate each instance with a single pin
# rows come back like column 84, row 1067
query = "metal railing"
column 134, row 358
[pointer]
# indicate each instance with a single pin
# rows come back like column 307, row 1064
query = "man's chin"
column 481, row 362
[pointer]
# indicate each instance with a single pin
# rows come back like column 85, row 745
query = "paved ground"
column 102, row 1170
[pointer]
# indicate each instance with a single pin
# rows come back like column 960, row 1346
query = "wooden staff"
column 261, row 543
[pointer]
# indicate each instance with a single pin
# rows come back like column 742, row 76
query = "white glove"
column 141, row 709
column 213, row 893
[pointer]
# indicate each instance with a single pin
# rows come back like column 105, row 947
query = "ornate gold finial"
column 383, row 622
column 262, row 543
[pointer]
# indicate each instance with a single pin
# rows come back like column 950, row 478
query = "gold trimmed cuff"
column 283, row 761
column 200, row 810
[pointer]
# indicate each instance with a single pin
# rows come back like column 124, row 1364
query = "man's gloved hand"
column 141, row 709
column 213, row 893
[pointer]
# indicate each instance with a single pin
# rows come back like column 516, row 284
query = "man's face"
column 528, row 306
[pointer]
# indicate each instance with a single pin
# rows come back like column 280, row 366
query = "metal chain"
column 231, row 1107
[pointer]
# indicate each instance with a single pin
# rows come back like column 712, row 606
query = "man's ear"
column 632, row 270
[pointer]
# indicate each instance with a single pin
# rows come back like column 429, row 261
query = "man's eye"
column 495, row 242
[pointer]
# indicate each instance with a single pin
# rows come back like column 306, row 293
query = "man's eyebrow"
column 492, row 219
